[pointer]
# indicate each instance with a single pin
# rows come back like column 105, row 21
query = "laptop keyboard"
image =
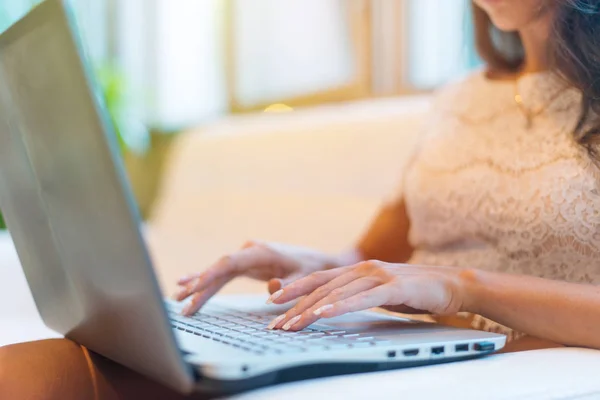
column 248, row 331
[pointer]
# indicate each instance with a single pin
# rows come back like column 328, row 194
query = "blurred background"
column 166, row 67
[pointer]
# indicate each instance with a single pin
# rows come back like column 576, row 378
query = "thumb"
column 278, row 284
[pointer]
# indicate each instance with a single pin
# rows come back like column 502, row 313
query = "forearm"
column 562, row 312
column 387, row 237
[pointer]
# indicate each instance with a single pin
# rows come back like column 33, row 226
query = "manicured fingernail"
column 275, row 296
column 291, row 322
column 321, row 310
column 277, row 320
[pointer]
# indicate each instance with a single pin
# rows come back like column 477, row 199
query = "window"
column 297, row 51
column 187, row 61
column 441, row 45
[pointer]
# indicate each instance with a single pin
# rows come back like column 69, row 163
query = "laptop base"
column 314, row 371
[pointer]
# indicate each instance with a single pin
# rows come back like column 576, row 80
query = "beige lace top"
column 486, row 190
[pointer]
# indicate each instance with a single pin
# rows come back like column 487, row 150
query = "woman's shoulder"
column 472, row 94
column 463, row 86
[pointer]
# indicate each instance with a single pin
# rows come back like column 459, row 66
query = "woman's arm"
column 386, row 239
column 562, row 312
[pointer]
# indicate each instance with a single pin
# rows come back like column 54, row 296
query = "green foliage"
column 112, row 89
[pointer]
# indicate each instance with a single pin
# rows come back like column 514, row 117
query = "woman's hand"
column 276, row 263
column 403, row 288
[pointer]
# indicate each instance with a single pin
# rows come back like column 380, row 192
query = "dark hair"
column 573, row 48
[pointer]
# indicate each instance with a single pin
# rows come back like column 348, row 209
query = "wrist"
column 471, row 290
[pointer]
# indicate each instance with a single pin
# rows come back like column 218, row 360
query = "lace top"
column 484, row 190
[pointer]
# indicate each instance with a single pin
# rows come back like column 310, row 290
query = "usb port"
column 437, row 350
column 411, row 352
column 484, row 346
column 461, row 347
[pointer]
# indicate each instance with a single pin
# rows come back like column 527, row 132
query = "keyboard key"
column 338, row 346
column 282, row 339
column 304, row 333
column 287, row 334
column 238, row 335
column 247, row 332
column 320, row 338
column 244, row 330
column 263, row 335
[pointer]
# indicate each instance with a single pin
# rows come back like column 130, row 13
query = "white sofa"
column 313, row 177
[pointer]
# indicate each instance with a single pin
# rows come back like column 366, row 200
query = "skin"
column 328, row 286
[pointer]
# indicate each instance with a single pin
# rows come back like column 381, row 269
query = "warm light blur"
column 278, row 108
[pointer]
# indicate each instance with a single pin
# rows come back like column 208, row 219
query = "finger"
column 184, row 280
column 274, row 285
column 288, row 280
column 306, row 285
column 277, row 284
column 315, row 296
column 308, row 316
column 229, row 267
column 199, row 299
column 366, row 300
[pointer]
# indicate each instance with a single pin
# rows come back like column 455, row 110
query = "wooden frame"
column 360, row 23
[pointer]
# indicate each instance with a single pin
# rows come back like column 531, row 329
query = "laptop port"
column 391, row 354
column 411, row 352
column 461, row 347
column 437, row 350
column 485, row 346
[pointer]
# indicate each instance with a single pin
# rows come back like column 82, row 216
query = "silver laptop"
column 69, row 209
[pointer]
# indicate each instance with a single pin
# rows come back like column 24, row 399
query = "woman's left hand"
column 403, row 288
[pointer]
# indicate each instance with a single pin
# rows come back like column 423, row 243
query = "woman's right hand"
column 274, row 263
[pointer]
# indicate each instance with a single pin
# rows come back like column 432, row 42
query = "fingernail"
column 291, row 322
column 321, row 310
column 277, row 320
column 275, row 296
column 186, row 310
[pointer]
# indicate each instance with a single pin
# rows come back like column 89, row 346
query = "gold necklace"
column 531, row 114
